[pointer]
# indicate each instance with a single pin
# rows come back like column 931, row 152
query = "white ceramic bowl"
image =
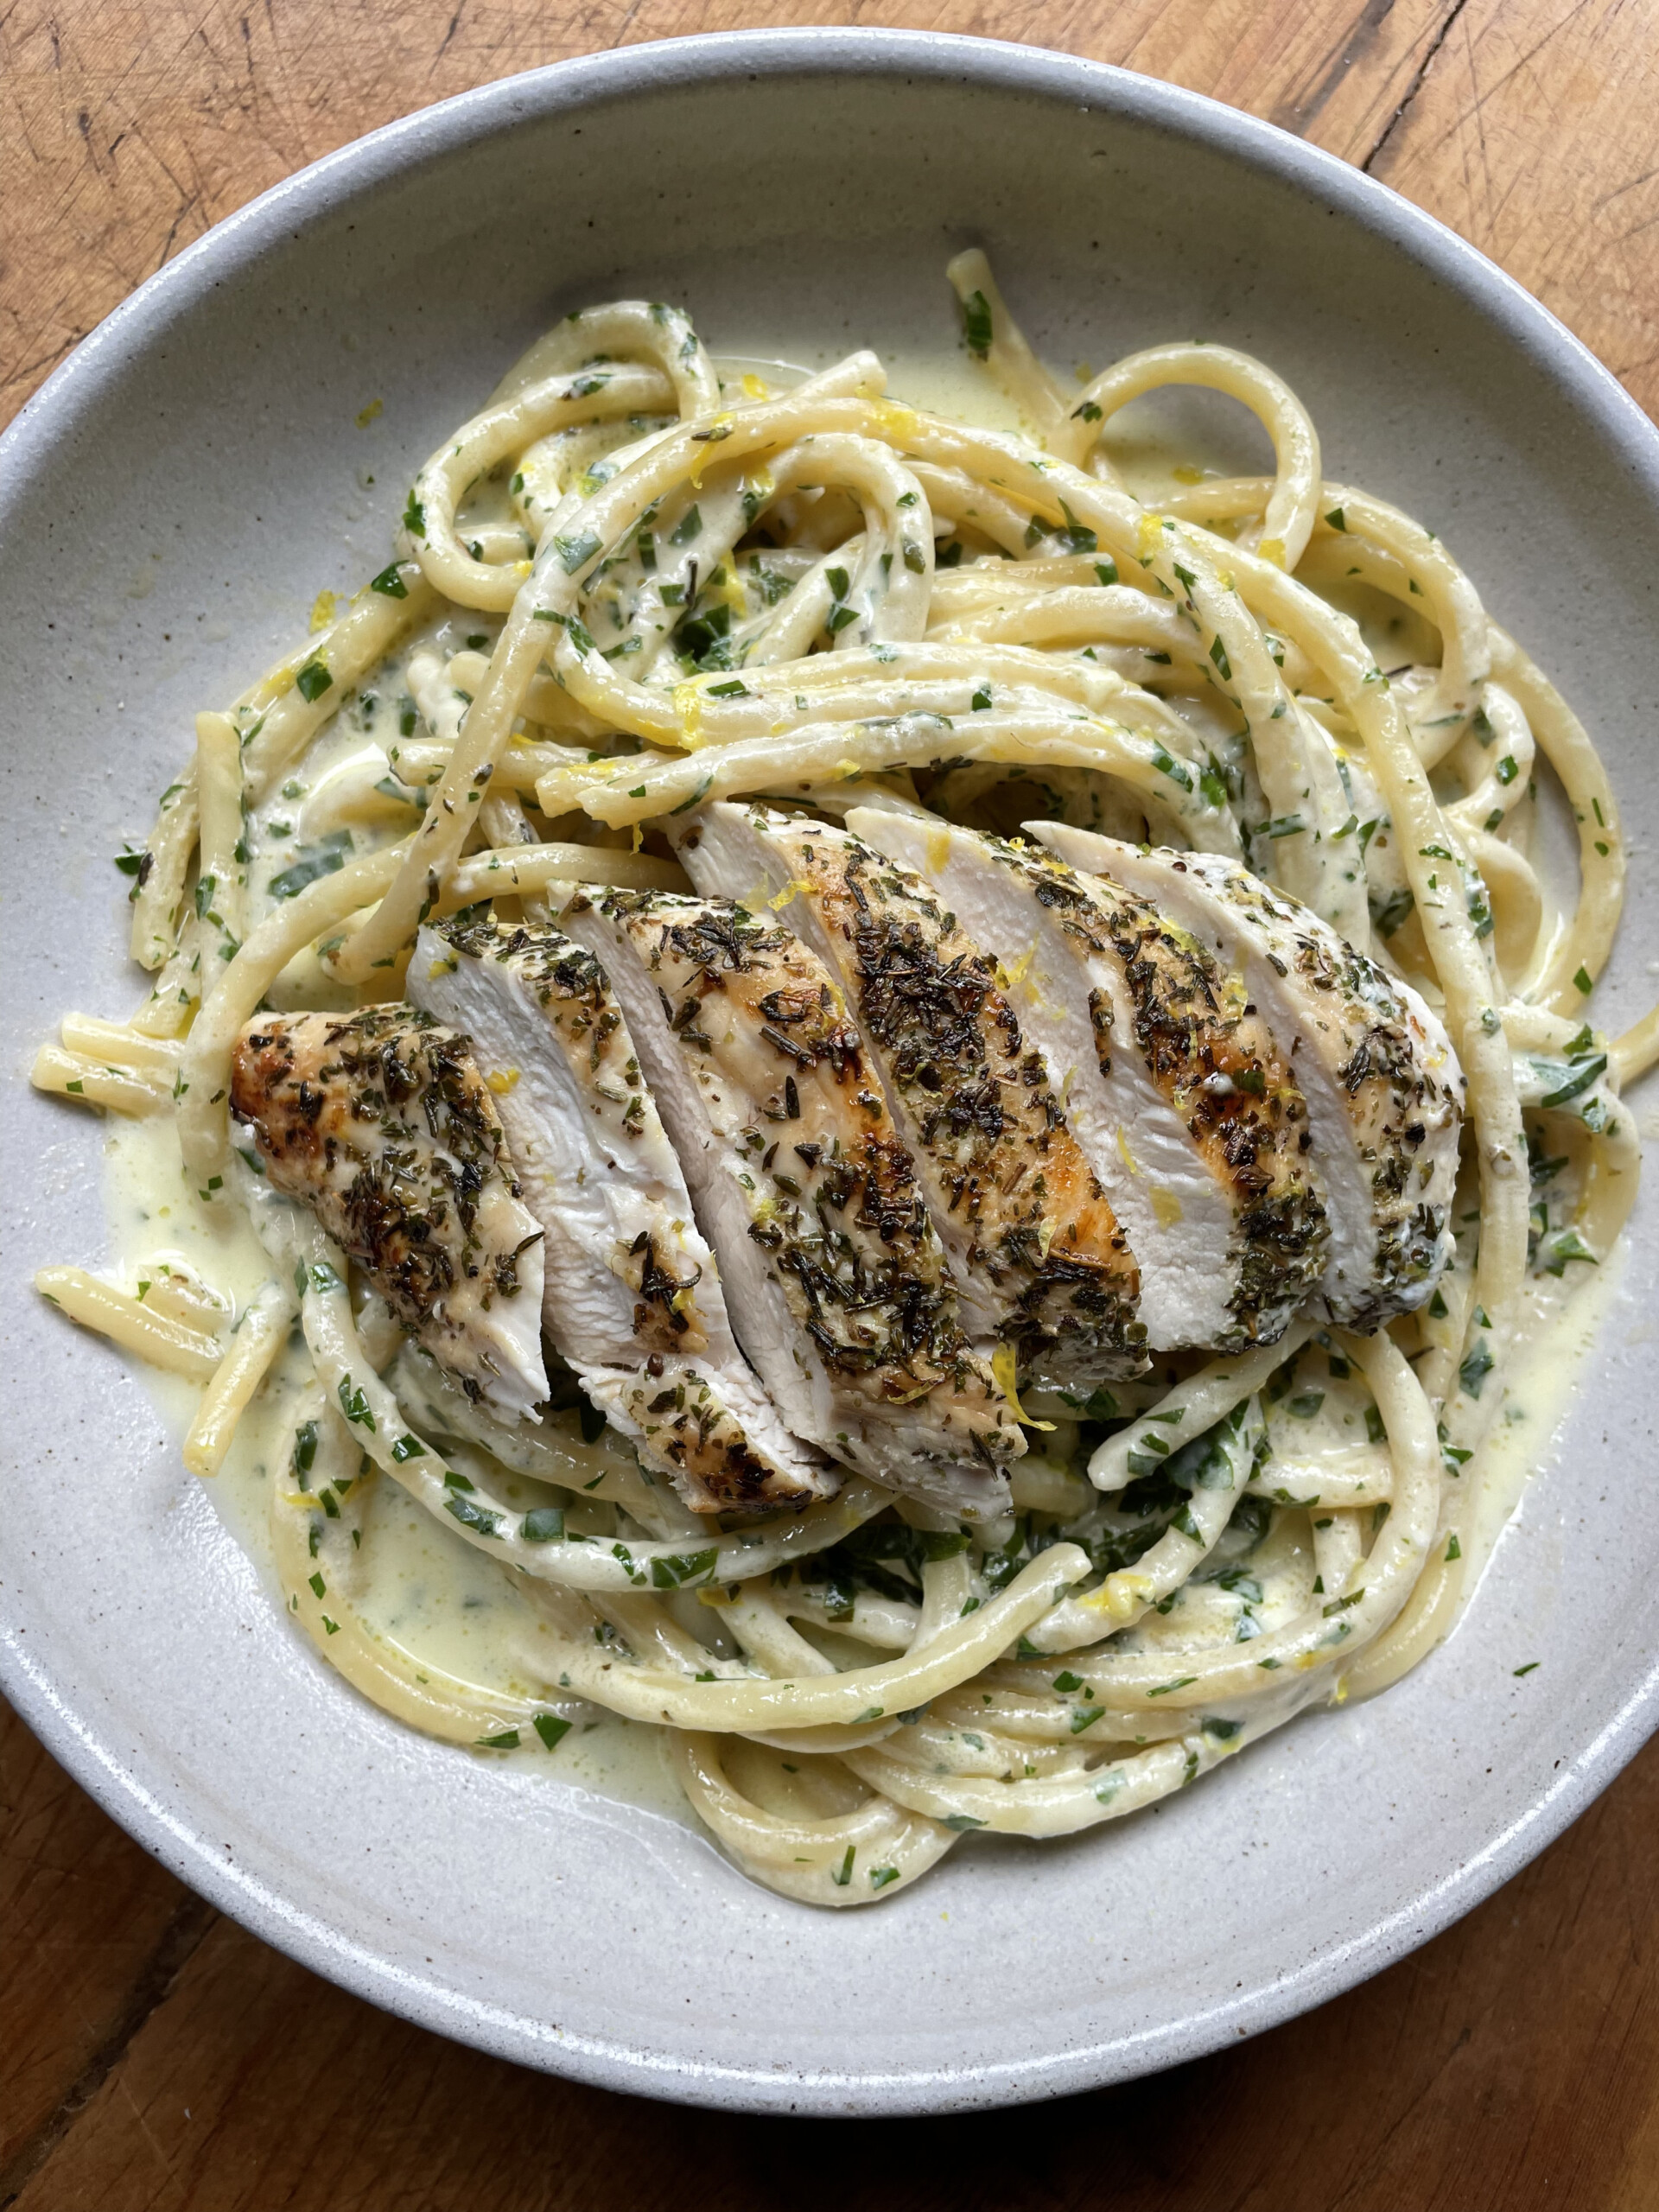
column 191, row 474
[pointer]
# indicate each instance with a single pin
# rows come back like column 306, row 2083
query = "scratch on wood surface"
column 1606, row 199
column 1414, row 87
column 443, row 47
column 1525, row 59
column 1299, row 111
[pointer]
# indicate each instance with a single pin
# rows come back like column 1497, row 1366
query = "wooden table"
column 153, row 2055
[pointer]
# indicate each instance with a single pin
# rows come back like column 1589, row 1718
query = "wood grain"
column 1524, row 138
column 151, row 2053
column 92, row 1929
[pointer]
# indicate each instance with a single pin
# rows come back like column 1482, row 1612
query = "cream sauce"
column 425, row 1590
column 1560, row 1325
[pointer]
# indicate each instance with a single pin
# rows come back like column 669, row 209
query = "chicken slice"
column 631, row 1298
column 835, row 1279
column 380, row 1122
column 1175, row 1092
column 1041, row 1262
column 1383, row 1089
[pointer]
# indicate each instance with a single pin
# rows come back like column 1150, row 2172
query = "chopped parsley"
column 976, row 324
column 576, row 552
column 1475, row 1368
column 323, row 858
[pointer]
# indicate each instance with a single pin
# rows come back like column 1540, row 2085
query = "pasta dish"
column 919, row 1100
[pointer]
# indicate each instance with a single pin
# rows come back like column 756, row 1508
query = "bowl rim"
column 313, row 194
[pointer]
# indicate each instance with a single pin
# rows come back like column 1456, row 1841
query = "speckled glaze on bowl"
column 194, row 472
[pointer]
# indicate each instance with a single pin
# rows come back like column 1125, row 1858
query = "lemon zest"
column 1003, row 1364
column 688, row 705
column 722, row 424
column 1010, row 979
column 895, row 422
column 1121, row 1596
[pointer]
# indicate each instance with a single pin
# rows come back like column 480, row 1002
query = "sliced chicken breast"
column 632, row 1298
column 835, row 1279
column 1382, row 1086
column 1176, row 1094
column 380, row 1122
column 1041, row 1262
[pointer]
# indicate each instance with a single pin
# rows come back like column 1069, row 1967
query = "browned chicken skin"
column 380, row 1123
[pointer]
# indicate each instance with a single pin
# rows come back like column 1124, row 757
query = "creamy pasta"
column 628, row 589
